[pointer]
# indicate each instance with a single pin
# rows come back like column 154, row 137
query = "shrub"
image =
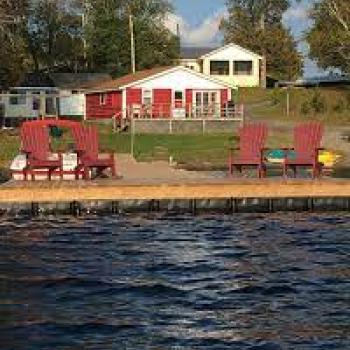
column 305, row 108
column 276, row 96
column 318, row 103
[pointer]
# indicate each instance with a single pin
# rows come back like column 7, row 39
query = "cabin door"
column 205, row 104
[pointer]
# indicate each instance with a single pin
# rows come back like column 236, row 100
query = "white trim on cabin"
column 228, row 46
column 124, row 106
column 174, row 69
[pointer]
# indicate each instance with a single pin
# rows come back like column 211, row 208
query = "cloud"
column 207, row 33
column 297, row 18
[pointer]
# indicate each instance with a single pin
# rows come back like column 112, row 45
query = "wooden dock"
column 118, row 190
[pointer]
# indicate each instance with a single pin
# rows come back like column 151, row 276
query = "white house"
column 231, row 64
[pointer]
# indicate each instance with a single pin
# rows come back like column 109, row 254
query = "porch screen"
column 219, row 67
column 243, row 67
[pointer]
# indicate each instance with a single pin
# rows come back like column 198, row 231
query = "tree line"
column 94, row 35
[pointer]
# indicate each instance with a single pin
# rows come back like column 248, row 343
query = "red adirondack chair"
column 36, row 145
column 252, row 137
column 87, row 148
column 307, row 142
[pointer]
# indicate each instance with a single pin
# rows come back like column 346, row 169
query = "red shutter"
column 133, row 96
column 189, row 100
column 162, row 103
column 224, row 96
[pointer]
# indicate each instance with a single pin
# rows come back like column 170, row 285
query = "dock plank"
column 110, row 190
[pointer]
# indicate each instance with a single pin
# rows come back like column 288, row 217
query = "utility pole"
column 132, row 42
column 263, row 63
column 288, row 102
column 83, row 24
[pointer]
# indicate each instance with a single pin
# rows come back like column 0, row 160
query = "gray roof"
column 189, row 52
column 61, row 80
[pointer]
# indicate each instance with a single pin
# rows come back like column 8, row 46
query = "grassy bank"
column 330, row 105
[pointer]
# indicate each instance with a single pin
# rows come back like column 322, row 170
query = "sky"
column 199, row 24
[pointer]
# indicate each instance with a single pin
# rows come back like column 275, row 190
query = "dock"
column 228, row 194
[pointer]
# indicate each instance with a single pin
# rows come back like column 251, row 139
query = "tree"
column 108, row 35
column 257, row 25
column 329, row 37
column 54, row 36
column 13, row 54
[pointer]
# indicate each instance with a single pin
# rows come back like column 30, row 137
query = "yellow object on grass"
column 328, row 158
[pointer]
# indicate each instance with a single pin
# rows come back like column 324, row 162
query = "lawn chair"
column 307, row 142
column 251, row 149
column 36, row 145
column 87, row 148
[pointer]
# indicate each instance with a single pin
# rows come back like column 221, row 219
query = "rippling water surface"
column 176, row 282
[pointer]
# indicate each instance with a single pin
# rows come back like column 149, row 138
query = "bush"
column 318, row 103
column 276, row 96
column 305, row 108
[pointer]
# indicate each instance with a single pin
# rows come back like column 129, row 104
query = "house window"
column 219, row 68
column 50, row 105
column 242, row 67
column 103, row 99
column 147, row 97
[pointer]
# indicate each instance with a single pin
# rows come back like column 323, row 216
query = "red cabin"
column 163, row 92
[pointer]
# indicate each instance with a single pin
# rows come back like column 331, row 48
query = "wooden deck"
column 118, row 190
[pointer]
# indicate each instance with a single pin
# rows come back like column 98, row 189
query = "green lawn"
column 9, row 146
column 189, row 150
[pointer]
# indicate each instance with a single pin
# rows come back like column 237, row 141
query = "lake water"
column 253, row 282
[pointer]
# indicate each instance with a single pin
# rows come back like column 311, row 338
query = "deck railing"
column 163, row 111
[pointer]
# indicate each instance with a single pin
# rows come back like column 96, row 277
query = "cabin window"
column 178, row 95
column 103, row 99
column 147, row 97
column 242, row 67
column 178, row 99
column 219, row 67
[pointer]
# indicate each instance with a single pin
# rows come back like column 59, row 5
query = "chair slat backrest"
column 86, row 140
column 307, row 138
column 252, row 139
column 35, row 140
